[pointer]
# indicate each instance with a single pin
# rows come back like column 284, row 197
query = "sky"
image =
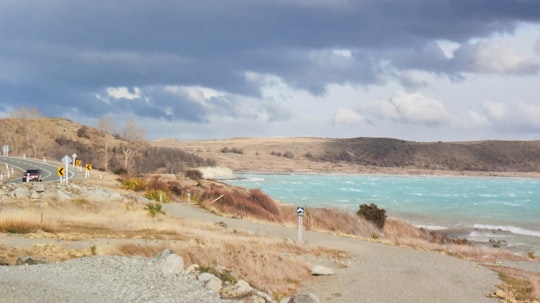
column 419, row 70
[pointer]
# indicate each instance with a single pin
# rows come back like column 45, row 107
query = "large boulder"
column 170, row 263
column 304, row 298
column 240, row 289
column 210, row 281
column 21, row 193
column 318, row 270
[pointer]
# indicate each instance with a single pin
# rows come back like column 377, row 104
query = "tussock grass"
column 18, row 222
column 131, row 249
column 518, row 285
column 276, row 272
column 241, row 203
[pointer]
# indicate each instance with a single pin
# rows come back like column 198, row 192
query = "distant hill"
column 367, row 155
column 54, row 137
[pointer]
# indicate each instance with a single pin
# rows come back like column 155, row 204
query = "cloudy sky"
column 422, row 70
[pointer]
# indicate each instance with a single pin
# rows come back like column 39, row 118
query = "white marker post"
column 66, row 159
column 74, row 157
column 300, row 215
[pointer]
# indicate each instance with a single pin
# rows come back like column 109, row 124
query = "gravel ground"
column 100, row 279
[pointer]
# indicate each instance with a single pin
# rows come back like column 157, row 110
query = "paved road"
column 19, row 165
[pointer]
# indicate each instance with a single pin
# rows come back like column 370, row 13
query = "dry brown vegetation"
column 276, row 266
column 90, row 228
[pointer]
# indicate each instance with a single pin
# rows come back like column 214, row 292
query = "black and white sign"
column 300, row 211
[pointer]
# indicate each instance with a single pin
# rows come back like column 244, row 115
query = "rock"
column 30, row 261
column 102, row 195
column 254, row 299
column 222, row 224
column 318, row 270
column 497, row 243
column 62, row 196
column 39, row 187
column 193, row 268
column 171, row 264
column 210, row 281
column 21, row 193
column 240, row 289
column 304, row 298
column 164, row 254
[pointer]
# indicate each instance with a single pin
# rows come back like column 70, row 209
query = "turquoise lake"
column 481, row 208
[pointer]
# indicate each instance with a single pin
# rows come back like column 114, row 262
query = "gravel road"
column 100, row 279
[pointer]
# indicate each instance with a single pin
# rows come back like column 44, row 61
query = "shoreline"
column 398, row 172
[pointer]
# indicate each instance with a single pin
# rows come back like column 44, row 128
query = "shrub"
column 194, row 174
column 373, row 213
column 288, row 155
column 154, row 208
column 120, row 171
column 83, row 132
column 234, row 150
column 135, row 184
column 157, row 195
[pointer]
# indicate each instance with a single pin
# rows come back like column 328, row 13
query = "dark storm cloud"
column 62, row 53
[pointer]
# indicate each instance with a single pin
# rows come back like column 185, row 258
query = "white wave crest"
column 509, row 228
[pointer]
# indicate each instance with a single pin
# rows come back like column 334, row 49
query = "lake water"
column 479, row 208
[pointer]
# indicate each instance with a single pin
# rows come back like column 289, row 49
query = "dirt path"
column 377, row 272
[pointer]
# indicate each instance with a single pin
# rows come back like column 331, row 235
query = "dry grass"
column 111, row 229
column 272, row 265
column 23, row 223
column 518, row 285
column 398, row 232
column 241, row 203
column 274, row 271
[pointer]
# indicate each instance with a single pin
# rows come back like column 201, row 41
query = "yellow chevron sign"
column 60, row 171
column 88, row 166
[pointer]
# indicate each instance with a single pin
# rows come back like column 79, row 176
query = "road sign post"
column 300, row 215
column 88, row 169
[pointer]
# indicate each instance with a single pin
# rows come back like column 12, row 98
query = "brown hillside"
column 55, row 137
column 368, row 155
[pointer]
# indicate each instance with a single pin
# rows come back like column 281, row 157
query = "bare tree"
column 106, row 126
column 135, row 138
column 29, row 133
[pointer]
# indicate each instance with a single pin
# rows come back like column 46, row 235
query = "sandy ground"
column 374, row 272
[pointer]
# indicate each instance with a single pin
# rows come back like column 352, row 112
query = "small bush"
column 373, row 213
column 194, row 174
column 154, row 208
column 288, row 155
column 232, row 150
column 83, row 132
column 120, row 171
column 135, row 184
column 157, row 195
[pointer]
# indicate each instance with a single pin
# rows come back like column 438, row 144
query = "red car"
column 32, row 175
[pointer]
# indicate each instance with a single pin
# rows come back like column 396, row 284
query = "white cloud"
column 447, row 47
column 412, row 108
column 500, row 57
column 494, row 110
column 519, row 116
column 347, row 116
column 199, row 94
column 477, row 120
column 123, row 92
